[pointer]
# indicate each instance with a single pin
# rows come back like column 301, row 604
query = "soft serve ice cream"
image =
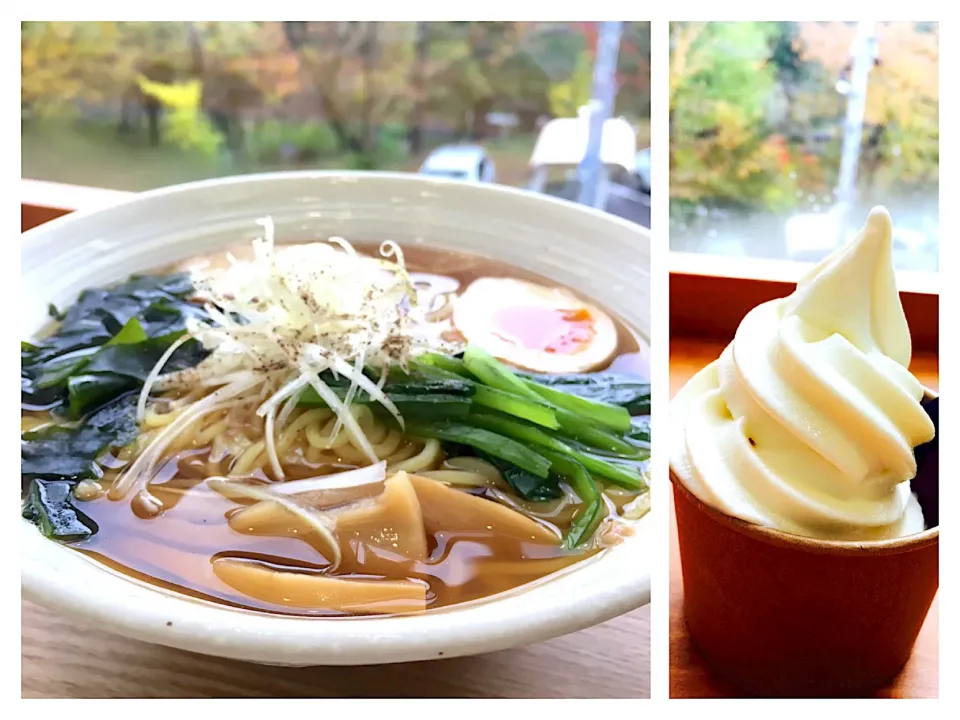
column 807, row 421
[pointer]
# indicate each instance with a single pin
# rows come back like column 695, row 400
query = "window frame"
column 710, row 294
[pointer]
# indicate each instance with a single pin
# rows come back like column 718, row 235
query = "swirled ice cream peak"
column 853, row 292
column 808, row 420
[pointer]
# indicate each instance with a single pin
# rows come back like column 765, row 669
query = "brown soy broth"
column 176, row 548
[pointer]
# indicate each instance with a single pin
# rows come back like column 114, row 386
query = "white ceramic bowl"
column 594, row 253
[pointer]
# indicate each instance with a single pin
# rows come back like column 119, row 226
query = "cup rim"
column 802, row 543
column 772, row 536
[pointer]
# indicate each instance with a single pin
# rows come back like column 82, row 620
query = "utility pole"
column 863, row 55
column 604, row 93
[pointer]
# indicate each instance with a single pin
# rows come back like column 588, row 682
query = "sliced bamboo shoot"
column 391, row 520
column 445, row 508
column 321, row 592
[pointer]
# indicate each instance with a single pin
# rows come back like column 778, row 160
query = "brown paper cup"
column 787, row 616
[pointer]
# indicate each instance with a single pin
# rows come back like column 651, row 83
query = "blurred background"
column 561, row 108
column 785, row 134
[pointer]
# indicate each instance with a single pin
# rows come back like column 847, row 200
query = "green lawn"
column 93, row 154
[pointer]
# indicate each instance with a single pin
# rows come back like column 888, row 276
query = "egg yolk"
column 544, row 329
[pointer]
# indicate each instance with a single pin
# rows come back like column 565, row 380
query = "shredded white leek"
column 343, row 413
column 141, row 471
column 369, row 475
column 289, row 405
column 351, row 393
column 288, row 390
column 154, row 374
column 276, row 322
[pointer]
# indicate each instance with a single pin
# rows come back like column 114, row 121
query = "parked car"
column 642, row 172
column 559, row 150
column 461, row 162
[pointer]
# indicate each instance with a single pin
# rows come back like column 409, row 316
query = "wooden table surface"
column 690, row 676
column 60, row 660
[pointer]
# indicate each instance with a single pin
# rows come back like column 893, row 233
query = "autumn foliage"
column 372, row 86
column 757, row 120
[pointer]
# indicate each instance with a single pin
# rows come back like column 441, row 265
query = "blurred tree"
column 563, row 55
column 187, row 127
column 721, row 147
column 220, row 55
column 555, row 47
column 569, row 95
column 791, row 71
column 523, row 90
column 902, row 138
column 418, row 84
column 68, row 66
column 481, row 66
column 786, row 53
column 357, row 72
column 633, row 71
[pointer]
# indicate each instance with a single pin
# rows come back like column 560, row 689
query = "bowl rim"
column 214, row 629
column 342, row 175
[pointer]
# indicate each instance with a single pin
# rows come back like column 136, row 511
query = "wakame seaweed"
column 89, row 373
column 70, row 452
column 49, row 505
column 159, row 305
column 54, row 458
column 114, row 369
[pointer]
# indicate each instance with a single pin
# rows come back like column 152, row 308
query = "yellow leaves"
column 65, row 61
column 190, row 129
column 186, row 95
column 905, row 81
column 683, row 64
column 567, row 97
column 903, row 92
column 732, row 127
column 29, row 59
column 186, row 125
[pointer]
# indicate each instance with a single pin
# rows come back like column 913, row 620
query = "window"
column 135, row 105
column 785, row 134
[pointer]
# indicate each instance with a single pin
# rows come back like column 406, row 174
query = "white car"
column 642, row 173
column 460, row 162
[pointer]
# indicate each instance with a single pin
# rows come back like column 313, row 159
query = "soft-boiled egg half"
column 534, row 327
